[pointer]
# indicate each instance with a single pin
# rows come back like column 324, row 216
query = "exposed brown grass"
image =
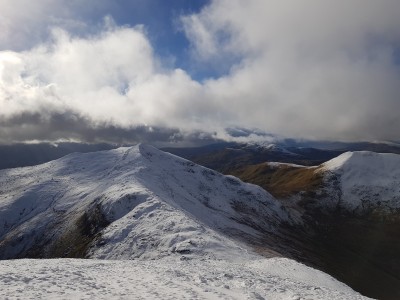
column 282, row 181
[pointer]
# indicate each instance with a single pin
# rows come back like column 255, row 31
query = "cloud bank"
column 309, row 69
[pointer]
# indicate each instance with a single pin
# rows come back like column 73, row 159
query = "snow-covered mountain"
column 145, row 203
column 190, row 227
column 366, row 180
column 360, row 182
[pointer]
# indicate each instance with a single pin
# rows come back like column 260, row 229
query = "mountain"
column 158, row 202
column 221, row 156
column 355, row 182
column 143, row 204
column 165, row 226
column 228, row 157
column 368, row 181
column 349, row 207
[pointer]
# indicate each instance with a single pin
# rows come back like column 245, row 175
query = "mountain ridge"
column 105, row 187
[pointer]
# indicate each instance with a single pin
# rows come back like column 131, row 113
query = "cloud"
column 109, row 84
column 307, row 69
column 25, row 23
column 316, row 69
column 71, row 126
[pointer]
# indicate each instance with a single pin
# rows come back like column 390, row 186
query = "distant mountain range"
column 22, row 155
column 308, row 152
column 226, row 157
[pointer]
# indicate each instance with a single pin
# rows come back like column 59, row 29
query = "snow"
column 168, row 278
column 173, row 232
column 157, row 204
column 271, row 147
column 278, row 165
column 367, row 179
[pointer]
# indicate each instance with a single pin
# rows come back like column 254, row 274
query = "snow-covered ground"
column 168, row 278
column 367, row 180
column 163, row 227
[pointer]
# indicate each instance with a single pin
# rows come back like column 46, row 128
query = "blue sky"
column 173, row 70
column 161, row 20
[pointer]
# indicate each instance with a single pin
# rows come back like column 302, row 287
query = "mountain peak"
column 368, row 179
column 365, row 160
column 130, row 195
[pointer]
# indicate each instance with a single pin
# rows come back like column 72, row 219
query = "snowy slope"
column 156, row 204
column 167, row 228
column 367, row 180
column 275, row 278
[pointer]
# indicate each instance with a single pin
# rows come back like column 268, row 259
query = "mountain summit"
column 367, row 180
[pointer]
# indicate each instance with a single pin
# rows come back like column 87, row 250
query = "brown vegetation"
column 283, row 180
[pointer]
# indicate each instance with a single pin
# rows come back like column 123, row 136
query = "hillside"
column 162, row 225
column 350, row 212
column 368, row 180
column 158, row 202
column 281, row 179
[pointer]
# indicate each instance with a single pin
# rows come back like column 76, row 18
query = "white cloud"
column 322, row 69
column 24, row 23
column 310, row 69
column 109, row 78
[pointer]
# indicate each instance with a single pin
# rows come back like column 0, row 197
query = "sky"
column 175, row 71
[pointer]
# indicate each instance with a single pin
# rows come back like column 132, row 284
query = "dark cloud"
column 70, row 126
column 246, row 132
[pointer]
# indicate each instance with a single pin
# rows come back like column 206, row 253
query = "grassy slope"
column 281, row 181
